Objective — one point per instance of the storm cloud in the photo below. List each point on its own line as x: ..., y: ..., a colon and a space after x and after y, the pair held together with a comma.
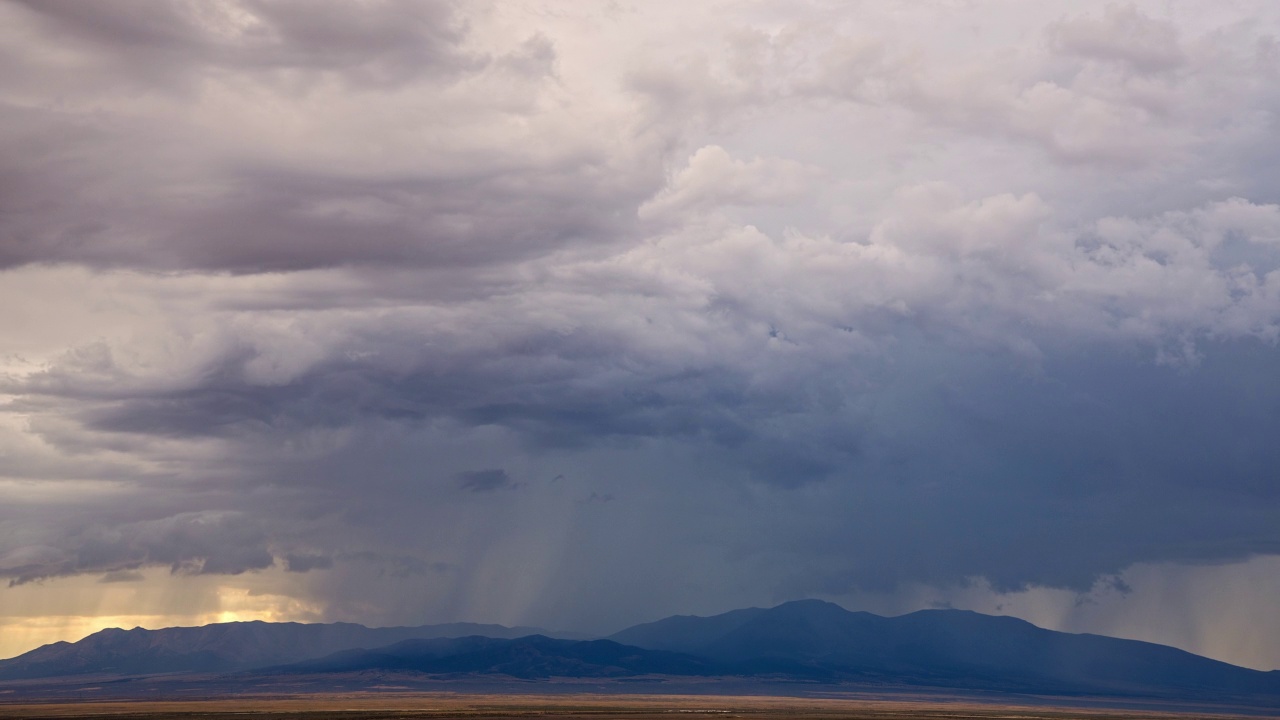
x: 873, y: 303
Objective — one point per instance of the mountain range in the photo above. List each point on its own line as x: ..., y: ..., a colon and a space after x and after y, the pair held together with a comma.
x: 945, y: 648
x: 806, y: 643
x: 221, y: 647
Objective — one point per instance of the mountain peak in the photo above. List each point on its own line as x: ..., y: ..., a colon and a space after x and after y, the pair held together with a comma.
x: 809, y: 603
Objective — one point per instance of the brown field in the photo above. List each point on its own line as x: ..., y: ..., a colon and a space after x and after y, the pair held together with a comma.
x: 369, y: 706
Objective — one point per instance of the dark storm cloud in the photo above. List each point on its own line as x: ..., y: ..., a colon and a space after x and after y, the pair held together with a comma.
x: 125, y: 189
x: 558, y: 390
x: 1057, y: 478
x: 196, y: 543
x: 122, y: 576
x: 273, y: 221
x: 950, y: 464
x: 290, y: 223
x: 318, y: 282
x: 301, y: 563
x: 374, y: 44
x: 485, y: 481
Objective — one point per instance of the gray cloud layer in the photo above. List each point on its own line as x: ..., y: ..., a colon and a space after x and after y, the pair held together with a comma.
x: 824, y: 300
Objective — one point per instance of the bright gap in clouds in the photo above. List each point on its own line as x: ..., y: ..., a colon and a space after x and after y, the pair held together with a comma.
x: 579, y: 315
x: 72, y: 608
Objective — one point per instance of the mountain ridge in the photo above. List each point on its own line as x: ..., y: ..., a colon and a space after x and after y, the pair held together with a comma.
x: 944, y: 646
x: 220, y: 647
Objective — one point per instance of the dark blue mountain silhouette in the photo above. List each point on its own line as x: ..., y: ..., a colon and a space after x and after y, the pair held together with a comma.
x: 948, y: 648
x: 533, y: 657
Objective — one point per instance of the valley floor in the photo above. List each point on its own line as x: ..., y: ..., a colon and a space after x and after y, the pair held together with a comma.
x: 442, y: 706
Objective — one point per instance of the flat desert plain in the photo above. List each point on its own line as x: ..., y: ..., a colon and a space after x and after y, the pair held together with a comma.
x: 368, y: 706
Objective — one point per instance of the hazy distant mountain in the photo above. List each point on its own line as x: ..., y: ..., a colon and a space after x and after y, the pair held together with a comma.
x: 949, y: 648
x: 532, y: 657
x: 221, y: 647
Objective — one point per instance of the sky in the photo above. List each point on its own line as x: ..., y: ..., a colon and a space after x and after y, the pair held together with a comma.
x: 581, y: 314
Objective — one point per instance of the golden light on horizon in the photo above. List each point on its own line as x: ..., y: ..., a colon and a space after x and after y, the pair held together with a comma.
x: 53, y: 610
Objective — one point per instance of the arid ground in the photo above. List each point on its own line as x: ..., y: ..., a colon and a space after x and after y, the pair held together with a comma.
x: 369, y: 706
